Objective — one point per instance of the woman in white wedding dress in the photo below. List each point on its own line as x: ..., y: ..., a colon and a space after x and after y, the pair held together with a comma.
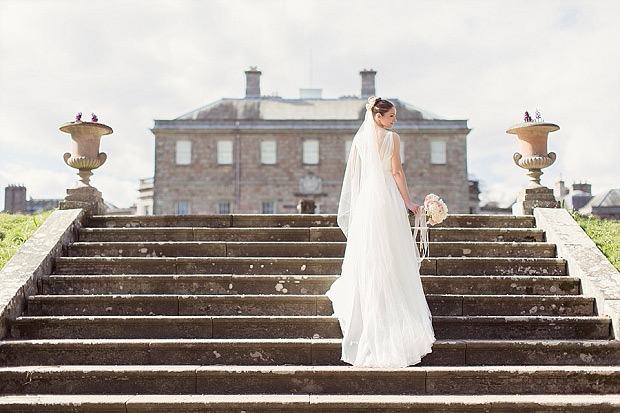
x: 378, y: 298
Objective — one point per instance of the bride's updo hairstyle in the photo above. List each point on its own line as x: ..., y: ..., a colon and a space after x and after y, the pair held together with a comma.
x: 378, y: 105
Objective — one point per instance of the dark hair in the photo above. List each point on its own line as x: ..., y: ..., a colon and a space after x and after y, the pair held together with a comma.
x: 380, y: 105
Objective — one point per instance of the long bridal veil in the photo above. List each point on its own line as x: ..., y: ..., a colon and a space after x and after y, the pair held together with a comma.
x: 369, y: 179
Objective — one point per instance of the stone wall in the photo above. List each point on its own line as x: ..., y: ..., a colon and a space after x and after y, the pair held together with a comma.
x: 204, y: 183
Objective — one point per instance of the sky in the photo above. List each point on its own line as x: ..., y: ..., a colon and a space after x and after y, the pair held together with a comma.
x: 131, y: 62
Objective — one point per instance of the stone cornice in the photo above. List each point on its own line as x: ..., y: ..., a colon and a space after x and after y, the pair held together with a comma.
x: 268, y: 126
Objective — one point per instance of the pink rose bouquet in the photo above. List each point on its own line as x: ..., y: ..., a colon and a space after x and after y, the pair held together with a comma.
x: 435, y: 209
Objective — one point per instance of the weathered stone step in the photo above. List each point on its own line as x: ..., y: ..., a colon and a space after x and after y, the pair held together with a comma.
x: 295, y: 284
x: 314, y: 403
x: 293, y: 265
x: 241, y: 380
x: 291, y: 220
x: 194, y: 234
x: 297, y: 352
x: 305, y: 304
x: 292, y: 234
x: 295, y: 249
x: 446, y: 327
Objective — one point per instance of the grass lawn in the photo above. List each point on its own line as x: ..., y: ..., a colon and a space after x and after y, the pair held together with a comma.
x: 15, y: 230
x: 604, y: 233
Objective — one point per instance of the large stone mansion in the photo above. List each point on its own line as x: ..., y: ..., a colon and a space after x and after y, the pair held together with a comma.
x: 263, y: 154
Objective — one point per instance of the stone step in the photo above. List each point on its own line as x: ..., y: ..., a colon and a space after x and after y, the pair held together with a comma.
x: 292, y: 234
x: 295, y: 249
x: 304, y: 304
x: 446, y: 327
x: 319, y: 403
x: 219, y: 221
x: 294, y: 284
x: 239, y: 380
x: 297, y: 352
x: 293, y: 265
x: 290, y: 220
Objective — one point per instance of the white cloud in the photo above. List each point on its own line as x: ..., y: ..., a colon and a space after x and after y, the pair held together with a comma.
x: 132, y: 62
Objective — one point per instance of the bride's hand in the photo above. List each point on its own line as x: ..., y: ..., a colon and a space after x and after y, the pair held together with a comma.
x: 415, y: 208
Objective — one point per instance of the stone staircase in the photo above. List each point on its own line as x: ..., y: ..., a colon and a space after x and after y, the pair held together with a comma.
x: 227, y: 313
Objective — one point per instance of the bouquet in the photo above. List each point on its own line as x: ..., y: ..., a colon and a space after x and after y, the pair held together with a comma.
x: 434, y: 208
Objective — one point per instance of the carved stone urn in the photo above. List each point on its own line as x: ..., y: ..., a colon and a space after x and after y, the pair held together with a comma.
x: 533, y: 154
x: 85, y: 140
x: 533, y: 157
x: 85, y: 156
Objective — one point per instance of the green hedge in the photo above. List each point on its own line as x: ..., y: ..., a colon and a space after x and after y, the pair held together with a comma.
x: 15, y: 230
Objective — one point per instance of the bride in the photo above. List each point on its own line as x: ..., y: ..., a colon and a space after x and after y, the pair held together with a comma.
x: 378, y: 298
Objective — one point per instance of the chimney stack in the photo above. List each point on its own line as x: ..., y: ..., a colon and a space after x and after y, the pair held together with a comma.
x: 583, y: 187
x: 560, y: 189
x: 368, y: 83
x: 15, y: 199
x: 252, y: 83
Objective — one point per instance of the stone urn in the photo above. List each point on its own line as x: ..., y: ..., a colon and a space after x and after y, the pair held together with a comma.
x: 85, y: 156
x: 533, y: 156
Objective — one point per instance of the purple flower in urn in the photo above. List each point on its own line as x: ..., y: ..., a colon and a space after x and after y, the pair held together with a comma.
x: 527, y: 117
x: 538, y: 117
x: 78, y: 117
x: 94, y: 118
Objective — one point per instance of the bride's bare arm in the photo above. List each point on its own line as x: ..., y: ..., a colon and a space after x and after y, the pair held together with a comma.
x: 399, y: 175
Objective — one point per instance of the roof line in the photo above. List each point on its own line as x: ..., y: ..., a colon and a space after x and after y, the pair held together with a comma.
x: 194, y: 110
x: 425, y: 113
x: 604, y: 197
x: 422, y: 111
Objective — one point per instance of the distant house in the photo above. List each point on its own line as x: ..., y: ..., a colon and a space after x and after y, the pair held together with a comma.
x: 575, y: 197
x: 605, y: 205
x: 579, y: 198
x: 15, y: 202
x: 263, y: 154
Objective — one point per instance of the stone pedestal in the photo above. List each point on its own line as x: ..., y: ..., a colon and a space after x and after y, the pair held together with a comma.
x: 87, y: 198
x: 530, y: 198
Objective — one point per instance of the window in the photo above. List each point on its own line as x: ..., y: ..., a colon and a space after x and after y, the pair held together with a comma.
x: 183, y: 152
x: 268, y: 208
x: 223, y: 208
x: 311, y: 151
x: 268, y: 152
x: 181, y: 208
x: 438, y: 152
x: 225, y: 152
x: 347, y: 150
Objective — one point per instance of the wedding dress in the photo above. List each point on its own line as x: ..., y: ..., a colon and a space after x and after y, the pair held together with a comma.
x: 378, y: 298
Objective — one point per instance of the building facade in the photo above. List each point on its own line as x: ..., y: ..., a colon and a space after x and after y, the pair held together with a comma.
x: 264, y: 154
